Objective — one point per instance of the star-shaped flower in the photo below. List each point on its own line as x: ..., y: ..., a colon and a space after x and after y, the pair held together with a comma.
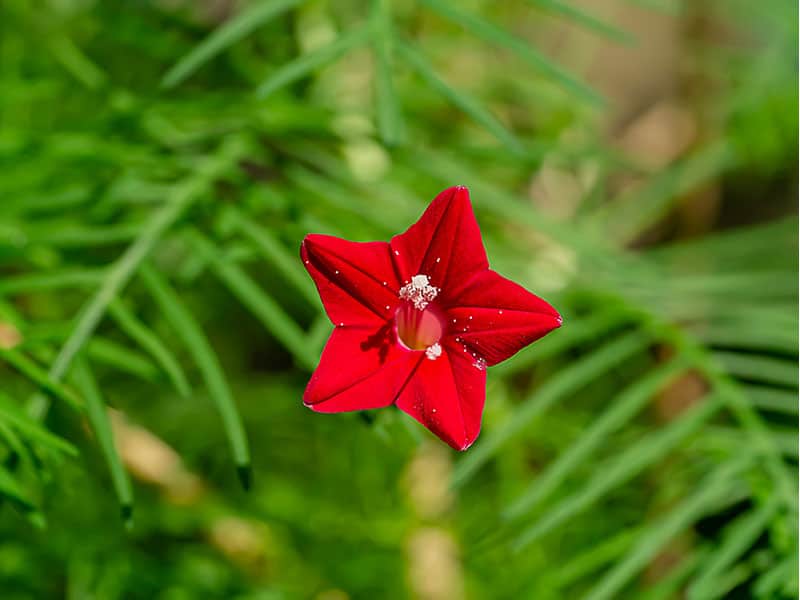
x: 418, y: 320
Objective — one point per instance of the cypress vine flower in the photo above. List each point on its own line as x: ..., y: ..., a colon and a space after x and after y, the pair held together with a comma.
x: 418, y: 320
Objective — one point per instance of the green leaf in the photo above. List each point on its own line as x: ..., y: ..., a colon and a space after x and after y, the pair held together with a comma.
x: 97, y: 413
x: 773, y: 399
x: 40, y: 377
x: 576, y: 333
x: 199, y: 347
x: 122, y: 358
x: 623, y: 408
x: 708, y: 493
x: 260, y: 304
x: 14, y: 416
x: 118, y: 275
x: 520, y: 47
x: 739, y: 537
x: 46, y: 282
x: 568, y: 381
x: 390, y: 117
x: 10, y: 488
x: 152, y: 344
x: 759, y: 368
x: 584, y: 19
x: 623, y: 467
x: 466, y: 103
x: 230, y: 32
x: 276, y: 254
x: 305, y: 64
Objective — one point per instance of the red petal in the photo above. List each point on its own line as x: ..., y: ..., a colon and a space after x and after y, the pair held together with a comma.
x: 360, y: 369
x: 356, y: 280
x: 446, y: 395
x: 445, y: 244
x: 495, y: 318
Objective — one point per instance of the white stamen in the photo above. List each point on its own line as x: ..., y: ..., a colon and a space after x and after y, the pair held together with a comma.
x: 419, y: 292
x: 433, y: 351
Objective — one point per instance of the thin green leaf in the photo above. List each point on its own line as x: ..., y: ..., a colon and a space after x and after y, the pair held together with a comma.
x: 199, y: 347
x: 390, y: 117
x: 40, y: 377
x: 226, y: 35
x: 584, y: 19
x: 97, y: 412
x: 10, y: 488
x: 568, y: 381
x: 714, y: 489
x: 623, y: 408
x: 260, y: 304
x: 152, y: 344
x: 14, y: 416
x: 118, y: 275
x: 626, y: 465
x: 46, y: 282
x: 759, y: 368
x: 578, y: 332
x: 520, y: 47
x: 772, y: 399
x: 740, y: 537
x: 122, y: 358
x: 630, y: 215
x: 276, y: 253
x: 466, y: 103
x: 305, y: 64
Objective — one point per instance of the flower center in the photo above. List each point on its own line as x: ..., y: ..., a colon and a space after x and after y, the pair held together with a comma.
x: 419, y: 324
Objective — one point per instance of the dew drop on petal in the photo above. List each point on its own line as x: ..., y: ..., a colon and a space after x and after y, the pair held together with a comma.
x: 397, y: 253
x: 479, y: 364
x: 384, y: 283
x: 438, y: 259
x: 336, y: 272
x: 499, y: 312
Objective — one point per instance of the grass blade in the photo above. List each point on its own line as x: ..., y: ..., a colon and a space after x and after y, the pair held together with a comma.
x: 122, y: 358
x: 151, y: 343
x: 273, y: 251
x: 118, y: 275
x: 466, y: 103
x: 305, y: 64
x: 12, y: 490
x: 714, y: 489
x: 40, y: 377
x: 199, y: 347
x: 101, y: 425
x: 46, y: 282
x: 13, y: 415
x: 568, y: 381
x: 226, y: 35
x: 253, y: 297
x: 390, y: 117
x: 520, y: 47
x: 741, y: 536
x: 627, y: 405
x: 624, y: 467
x: 759, y: 368
x: 584, y: 19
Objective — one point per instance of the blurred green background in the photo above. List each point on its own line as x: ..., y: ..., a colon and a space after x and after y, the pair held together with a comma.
x: 633, y: 162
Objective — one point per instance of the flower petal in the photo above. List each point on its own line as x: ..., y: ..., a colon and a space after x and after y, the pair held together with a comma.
x: 446, y: 395
x: 361, y: 368
x: 445, y: 244
x: 356, y: 280
x: 495, y: 318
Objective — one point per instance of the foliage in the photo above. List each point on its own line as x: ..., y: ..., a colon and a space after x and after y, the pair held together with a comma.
x: 160, y: 166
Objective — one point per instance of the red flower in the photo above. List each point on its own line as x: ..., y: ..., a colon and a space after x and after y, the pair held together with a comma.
x: 418, y: 320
